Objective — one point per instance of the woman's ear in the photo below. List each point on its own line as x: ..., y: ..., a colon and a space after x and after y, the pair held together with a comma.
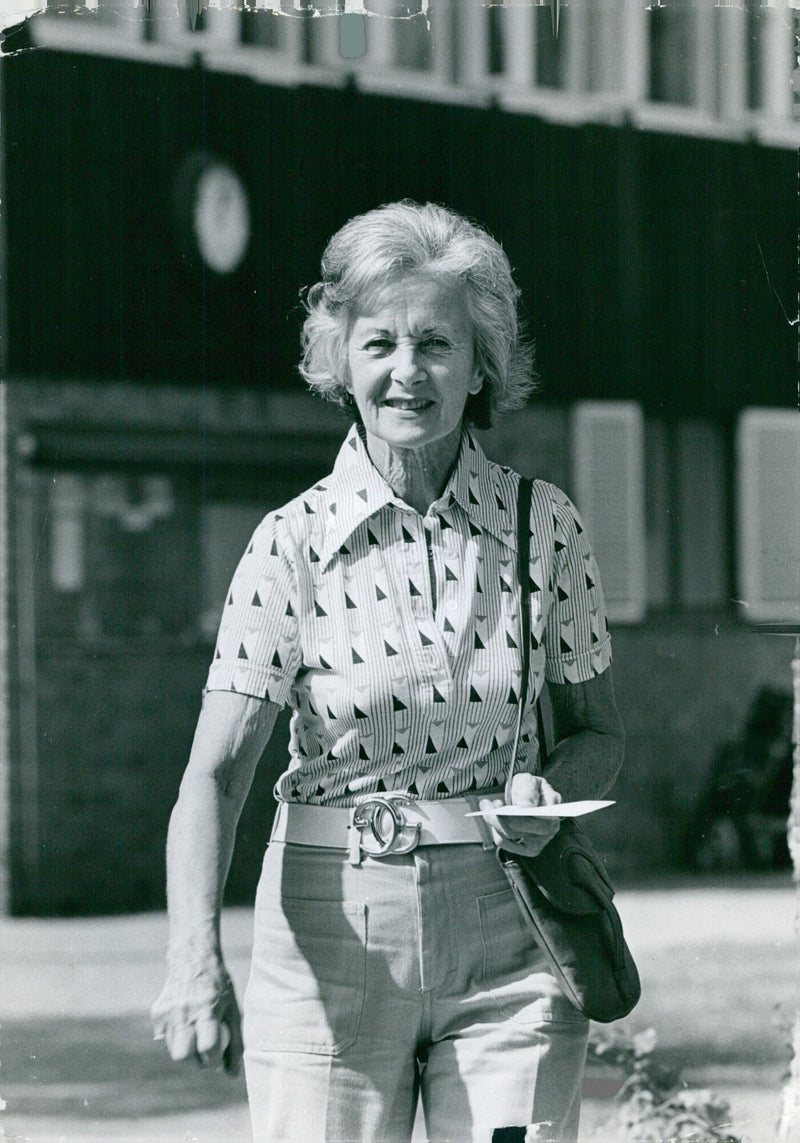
x: 476, y: 384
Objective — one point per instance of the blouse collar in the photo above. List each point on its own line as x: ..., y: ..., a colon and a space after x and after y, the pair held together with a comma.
x: 357, y: 491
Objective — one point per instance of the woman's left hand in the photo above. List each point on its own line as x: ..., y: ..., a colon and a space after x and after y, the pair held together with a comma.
x: 526, y: 836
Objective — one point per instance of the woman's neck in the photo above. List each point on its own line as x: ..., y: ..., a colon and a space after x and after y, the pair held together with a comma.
x: 416, y: 475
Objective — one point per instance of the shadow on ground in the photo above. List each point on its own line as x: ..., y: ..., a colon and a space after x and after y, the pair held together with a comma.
x: 90, y: 1069
x: 103, y: 1067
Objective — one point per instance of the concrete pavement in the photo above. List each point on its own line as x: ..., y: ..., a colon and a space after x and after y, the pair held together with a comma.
x: 78, y: 1062
x: 107, y: 965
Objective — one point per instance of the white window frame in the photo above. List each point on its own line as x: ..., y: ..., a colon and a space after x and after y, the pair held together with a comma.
x: 755, y: 605
x: 627, y: 418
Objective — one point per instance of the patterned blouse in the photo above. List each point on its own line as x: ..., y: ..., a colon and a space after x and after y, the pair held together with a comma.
x: 395, y: 637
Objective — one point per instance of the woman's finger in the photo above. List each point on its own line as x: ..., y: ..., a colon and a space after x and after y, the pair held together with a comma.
x: 525, y: 790
x: 505, y: 828
x: 209, y: 1036
x: 531, y: 827
x: 547, y: 795
x: 533, y: 790
x: 528, y: 844
x: 181, y: 1042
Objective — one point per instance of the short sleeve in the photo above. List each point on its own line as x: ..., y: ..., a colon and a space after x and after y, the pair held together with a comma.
x: 258, y: 648
x: 577, y: 641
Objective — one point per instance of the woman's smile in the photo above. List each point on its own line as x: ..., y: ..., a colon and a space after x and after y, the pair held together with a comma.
x: 411, y: 363
x: 408, y: 404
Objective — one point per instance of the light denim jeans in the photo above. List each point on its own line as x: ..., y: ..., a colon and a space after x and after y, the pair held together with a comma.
x: 402, y: 977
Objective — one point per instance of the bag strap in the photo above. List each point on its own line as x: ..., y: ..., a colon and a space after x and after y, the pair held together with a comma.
x: 524, y: 579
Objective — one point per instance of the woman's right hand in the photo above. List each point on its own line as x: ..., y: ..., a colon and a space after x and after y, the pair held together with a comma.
x: 197, y: 1016
x: 197, y: 1011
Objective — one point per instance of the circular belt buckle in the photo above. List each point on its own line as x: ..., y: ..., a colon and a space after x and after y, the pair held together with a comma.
x: 386, y: 823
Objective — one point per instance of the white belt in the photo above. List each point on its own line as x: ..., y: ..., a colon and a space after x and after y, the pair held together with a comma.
x: 381, y: 825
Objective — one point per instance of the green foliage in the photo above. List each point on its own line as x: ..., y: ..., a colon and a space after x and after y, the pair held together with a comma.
x: 654, y: 1105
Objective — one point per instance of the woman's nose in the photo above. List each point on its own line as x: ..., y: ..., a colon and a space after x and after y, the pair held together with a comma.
x: 406, y: 366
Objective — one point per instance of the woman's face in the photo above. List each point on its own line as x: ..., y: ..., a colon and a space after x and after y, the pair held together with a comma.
x: 411, y: 361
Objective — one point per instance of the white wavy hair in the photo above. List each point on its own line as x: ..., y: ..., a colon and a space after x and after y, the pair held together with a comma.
x: 374, y: 249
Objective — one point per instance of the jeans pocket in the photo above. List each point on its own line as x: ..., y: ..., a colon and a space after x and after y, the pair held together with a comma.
x: 515, y: 971
x: 308, y: 976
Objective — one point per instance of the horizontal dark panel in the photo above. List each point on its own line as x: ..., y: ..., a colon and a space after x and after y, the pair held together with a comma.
x: 286, y: 454
x: 653, y: 267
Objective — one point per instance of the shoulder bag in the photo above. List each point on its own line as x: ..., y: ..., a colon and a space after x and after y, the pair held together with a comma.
x: 564, y: 892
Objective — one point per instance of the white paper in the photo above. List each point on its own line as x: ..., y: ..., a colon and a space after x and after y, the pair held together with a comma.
x: 562, y: 810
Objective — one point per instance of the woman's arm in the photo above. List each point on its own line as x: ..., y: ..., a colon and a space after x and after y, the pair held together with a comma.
x: 589, y: 737
x: 197, y: 999
x: 584, y: 763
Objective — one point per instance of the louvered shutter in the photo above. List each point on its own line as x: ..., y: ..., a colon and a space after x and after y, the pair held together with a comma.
x: 768, y: 515
x: 607, y: 455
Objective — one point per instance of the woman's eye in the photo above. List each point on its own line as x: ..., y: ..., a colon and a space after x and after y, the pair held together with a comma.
x: 378, y: 345
x: 435, y: 343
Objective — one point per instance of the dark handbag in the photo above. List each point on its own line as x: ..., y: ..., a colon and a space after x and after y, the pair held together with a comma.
x: 564, y: 892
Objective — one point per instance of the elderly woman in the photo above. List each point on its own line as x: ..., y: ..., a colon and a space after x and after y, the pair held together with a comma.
x: 389, y: 960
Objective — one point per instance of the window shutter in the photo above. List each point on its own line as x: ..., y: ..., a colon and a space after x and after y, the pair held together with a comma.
x: 608, y: 482
x: 768, y: 514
